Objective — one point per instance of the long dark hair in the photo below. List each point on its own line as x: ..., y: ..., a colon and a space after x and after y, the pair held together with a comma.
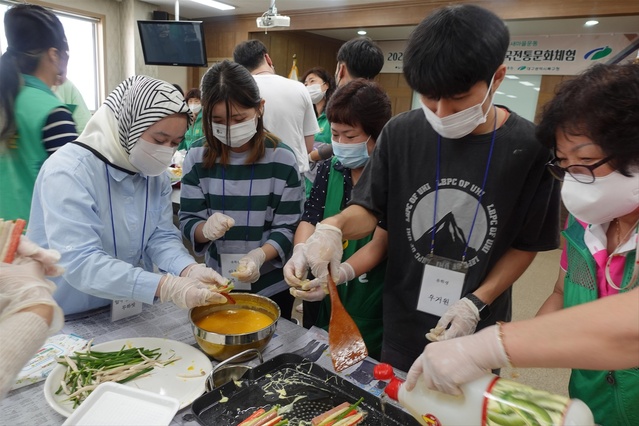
x: 232, y: 84
x: 30, y: 30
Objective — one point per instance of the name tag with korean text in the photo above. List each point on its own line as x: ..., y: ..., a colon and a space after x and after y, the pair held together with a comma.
x: 442, y: 284
x: 124, y: 308
x: 228, y: 264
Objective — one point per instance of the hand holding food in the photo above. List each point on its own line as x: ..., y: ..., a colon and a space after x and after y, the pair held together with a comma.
x: 462, y: 316
x: 23, y: 286
x: 323, y: 250
x: 205, y: 274
x: 448, y: 364
x: 188, y: 292
x: 296, y: 269
x: 248, y: 269
x: 216, y: 226
x: 315, y: 290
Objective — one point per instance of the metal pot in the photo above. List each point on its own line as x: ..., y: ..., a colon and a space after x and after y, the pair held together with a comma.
x: 224, y: 372
x: 223, y: 346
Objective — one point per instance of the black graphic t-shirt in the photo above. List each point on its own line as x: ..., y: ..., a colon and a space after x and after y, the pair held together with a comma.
x: 519, y: 209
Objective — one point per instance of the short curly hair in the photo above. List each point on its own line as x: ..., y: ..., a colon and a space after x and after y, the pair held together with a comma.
x: 602, y: 104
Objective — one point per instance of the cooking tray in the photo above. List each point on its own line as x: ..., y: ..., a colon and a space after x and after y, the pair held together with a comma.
x: 300, y: 386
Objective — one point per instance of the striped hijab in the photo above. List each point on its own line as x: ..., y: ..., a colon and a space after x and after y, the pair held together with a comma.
x: 134, y: 106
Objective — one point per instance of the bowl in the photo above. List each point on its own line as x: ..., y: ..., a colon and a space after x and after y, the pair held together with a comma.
x: 221, y: 346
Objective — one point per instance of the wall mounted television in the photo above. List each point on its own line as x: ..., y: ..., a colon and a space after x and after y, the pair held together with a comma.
x: 179, y: 43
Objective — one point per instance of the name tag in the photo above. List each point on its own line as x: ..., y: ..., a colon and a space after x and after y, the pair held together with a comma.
x: 442, y: 284
x: 125, y: 308
x: 229, y: 263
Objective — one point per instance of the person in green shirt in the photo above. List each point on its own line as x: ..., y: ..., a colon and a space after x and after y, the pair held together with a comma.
x: 34, y: 123
x: 194, y: 133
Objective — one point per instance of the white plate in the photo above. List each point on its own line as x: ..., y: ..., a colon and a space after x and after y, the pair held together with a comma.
x: 183, y: 379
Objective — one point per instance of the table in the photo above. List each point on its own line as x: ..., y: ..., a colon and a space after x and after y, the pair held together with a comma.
x: 27, y: 406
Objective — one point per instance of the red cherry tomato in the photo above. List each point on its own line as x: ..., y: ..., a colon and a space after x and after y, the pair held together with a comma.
x: 383, y: 371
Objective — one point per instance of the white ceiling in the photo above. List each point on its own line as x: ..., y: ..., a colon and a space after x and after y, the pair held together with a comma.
x: 191, y: 10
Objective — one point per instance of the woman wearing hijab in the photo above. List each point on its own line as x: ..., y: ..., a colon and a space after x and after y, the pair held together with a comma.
x: 103, y: 202
x: 242, y: 194
x: 33, y: 121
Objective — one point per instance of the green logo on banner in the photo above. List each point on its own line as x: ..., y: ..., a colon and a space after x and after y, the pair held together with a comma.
x: 598, y: 53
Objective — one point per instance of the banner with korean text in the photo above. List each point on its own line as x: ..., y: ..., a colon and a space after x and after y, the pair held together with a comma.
x: 562, y: 54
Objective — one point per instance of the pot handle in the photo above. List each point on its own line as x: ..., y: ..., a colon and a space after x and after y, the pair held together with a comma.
x: 209, y: 378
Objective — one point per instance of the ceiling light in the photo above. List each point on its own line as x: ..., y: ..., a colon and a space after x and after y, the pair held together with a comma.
x: 591, y: 23
x: 511, y: 96
x: 536, y: 88
x: 499, y: 93
x: 526, y: 83
x: 512, y: 77
x: 361, y: 32
x: 214, y: 4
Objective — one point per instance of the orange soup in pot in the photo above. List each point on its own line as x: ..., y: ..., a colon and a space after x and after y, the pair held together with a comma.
x: 234, y: 321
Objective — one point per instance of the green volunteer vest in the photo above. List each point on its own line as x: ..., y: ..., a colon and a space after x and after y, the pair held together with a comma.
x: 193, y: 134
x: 324, y: 135
x: 23, y: 155
x: 362, y: 297
x: 613, y: 396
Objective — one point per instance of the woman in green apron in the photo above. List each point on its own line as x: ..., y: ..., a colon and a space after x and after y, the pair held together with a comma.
x: 357, y: 113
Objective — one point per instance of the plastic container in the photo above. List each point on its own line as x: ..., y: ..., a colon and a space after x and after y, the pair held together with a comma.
x: 490, y: 400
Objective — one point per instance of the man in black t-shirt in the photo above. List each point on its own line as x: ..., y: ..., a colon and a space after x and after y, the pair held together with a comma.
x: 461, y: 184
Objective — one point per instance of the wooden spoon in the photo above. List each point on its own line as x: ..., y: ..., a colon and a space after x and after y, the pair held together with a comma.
x: 345, y: 342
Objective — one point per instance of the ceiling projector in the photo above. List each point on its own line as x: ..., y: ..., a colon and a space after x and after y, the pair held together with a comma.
x: 270, y: 21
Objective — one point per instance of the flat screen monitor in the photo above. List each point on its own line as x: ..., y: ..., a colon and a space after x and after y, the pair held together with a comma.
x: 173, y: 43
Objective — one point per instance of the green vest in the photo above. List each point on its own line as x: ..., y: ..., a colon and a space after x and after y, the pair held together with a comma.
x: 193, y: 134
x: 324, y: 135
x: 362, y: 297
x: 23, y: 155
x: 613, y: 396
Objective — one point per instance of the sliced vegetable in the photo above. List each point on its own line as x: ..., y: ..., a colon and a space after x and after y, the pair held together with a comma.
x: 255, y: 414
x: 262, y: 419
x: 335, y: 415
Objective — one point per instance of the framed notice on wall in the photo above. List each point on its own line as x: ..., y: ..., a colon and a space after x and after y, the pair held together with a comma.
x: 393, y: 55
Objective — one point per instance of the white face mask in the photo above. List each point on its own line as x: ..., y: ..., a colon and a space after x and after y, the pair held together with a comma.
x: 315, y: 90
x: 607, y: 198
x: 149, y: 158
x: 241, y: 133
x: 461, y: 123
x: 195, y: 108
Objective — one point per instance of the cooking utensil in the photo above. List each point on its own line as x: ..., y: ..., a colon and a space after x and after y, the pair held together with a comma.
x: 345, y: 342
x: 303, y: 387
x: 224, y: 372
x: 223, y: 346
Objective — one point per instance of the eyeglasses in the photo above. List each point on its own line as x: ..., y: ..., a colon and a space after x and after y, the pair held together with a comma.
x: 580, y: 172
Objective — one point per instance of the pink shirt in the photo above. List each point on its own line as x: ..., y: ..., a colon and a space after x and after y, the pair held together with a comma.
x: 596, y: 241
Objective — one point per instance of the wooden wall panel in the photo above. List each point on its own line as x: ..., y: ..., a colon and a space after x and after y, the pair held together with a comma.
x: 398, y: 91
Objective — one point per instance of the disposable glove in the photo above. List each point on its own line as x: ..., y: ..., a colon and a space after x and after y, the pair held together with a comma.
x: 323, y: 251
x: 23, y: 286
x: 248, y: 268
x: 217, y: 225
x: 447, y: 365
x: 315, y: 290
x: 462, y: 316
x: 204, y: 274
x: 296, y: 269
x: 187, y: 292
x: 48, y: 258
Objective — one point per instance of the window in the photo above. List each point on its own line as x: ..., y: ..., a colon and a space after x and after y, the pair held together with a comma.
x: 82, y: 36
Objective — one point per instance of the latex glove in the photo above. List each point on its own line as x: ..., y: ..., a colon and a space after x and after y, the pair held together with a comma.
x: 217, y: 225
x: 462, y: 316
x: 204, y: 274
x: 447, y: 365
x: 187, y: 292
x: 296, y: 269
x: 248, y: 269
x: 315, y: 290
x: 323, y: 251
x: 48, y: 258
x: 23, y: 286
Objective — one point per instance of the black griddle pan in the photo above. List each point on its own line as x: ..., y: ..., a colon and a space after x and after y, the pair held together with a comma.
x: 303, y: 387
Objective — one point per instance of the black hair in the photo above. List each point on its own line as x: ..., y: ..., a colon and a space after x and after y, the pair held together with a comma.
x: 250, y: 54
x: 454, y: 48
x: 362, y: 102
x: 193, y: 93
x: 602, y: 104
x: 232, y: 84
x: 362, y: 57
x: 179, y: 88
x: 30, y: 31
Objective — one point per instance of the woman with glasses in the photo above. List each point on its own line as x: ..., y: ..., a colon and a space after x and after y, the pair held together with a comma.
x: 591, y: 321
